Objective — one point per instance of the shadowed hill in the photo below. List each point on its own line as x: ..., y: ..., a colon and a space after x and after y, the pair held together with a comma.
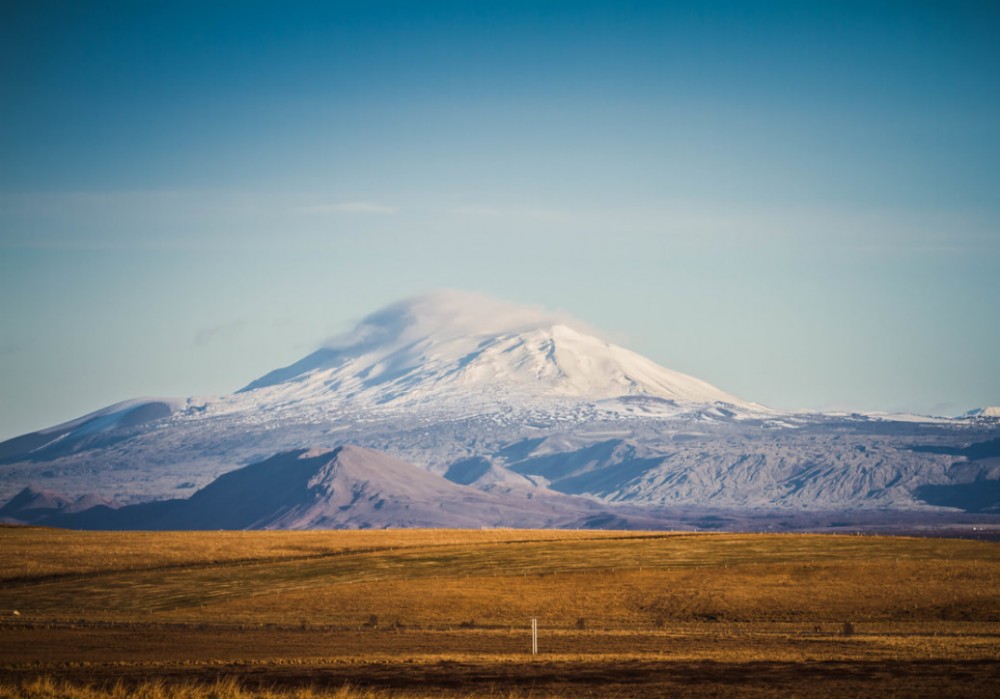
x: 346, y: 487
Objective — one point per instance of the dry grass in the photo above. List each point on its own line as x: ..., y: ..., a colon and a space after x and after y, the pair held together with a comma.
x: 398, y: 610
x: 47, y: 688
x: 493, y: 578
x: 37, y: 552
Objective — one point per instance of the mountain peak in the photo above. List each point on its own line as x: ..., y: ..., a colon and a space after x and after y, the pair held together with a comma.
x: 989, y: 411
x: 444, y: 315
x: 458, y: 348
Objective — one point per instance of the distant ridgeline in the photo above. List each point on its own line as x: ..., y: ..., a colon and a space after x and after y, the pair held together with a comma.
x: 455, y: 410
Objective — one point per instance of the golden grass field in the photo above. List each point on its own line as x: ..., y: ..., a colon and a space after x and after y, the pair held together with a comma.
x: 410, y: 613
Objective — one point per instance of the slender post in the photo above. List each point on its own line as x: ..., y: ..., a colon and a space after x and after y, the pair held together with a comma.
x: 534, y: 636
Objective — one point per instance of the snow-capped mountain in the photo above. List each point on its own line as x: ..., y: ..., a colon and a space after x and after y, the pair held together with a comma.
x: 992, y: 411
x: 451, y: 350
x: 515, y: 402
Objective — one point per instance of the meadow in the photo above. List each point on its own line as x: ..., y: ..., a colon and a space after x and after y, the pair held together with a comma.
x: 411, y: 613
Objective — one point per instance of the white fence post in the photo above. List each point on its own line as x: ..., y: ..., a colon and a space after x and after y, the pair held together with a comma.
x: 534, y: 636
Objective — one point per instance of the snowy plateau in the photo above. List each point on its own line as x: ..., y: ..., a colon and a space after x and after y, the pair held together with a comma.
x: 453, y: 409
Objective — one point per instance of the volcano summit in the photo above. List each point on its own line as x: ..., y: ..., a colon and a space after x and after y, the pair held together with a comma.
x: 460, y: 350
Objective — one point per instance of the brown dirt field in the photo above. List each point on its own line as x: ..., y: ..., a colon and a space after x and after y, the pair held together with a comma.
x: 694, y: 661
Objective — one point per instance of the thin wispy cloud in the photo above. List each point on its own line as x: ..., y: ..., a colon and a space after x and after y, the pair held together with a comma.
x: 474, y: 211
x: 348, y: 207
x: 518, y: 213
x: 221, y: 331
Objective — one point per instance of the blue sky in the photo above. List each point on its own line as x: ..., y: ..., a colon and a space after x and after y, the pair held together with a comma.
x: 794, y: 201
